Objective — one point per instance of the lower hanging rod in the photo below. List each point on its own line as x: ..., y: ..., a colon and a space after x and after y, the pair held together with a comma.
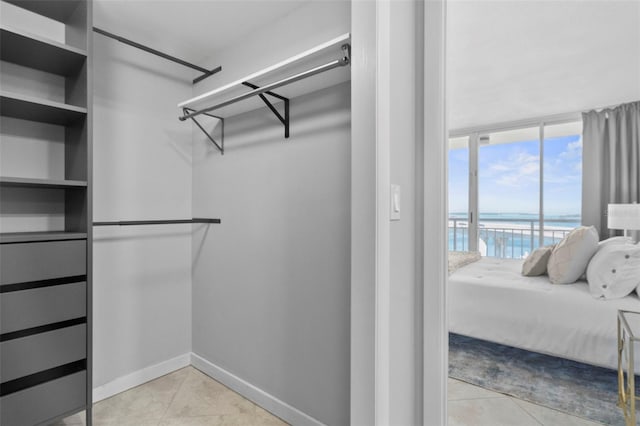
x: 292, y: 79
x: 155, y: 222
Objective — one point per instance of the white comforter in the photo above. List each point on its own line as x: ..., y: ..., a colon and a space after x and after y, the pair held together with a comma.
x: 491, y: 300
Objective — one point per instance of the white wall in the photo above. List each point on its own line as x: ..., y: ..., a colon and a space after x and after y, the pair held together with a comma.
x: 363, y: 212
x: 271, y: 283
x: 142, y: 170
x: 433, y: 209
x: 312, y: 23
x: 404, y: 380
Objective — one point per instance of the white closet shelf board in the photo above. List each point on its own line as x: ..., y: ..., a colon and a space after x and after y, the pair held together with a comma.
x: 311, y: 58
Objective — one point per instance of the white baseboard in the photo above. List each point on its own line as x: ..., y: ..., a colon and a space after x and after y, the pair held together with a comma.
x: 139, y: 377
x: 269, y: 402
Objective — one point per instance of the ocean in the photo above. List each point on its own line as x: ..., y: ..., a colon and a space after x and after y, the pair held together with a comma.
x: 510, y: 235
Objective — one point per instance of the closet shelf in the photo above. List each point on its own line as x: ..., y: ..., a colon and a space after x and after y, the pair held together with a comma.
x: 41, y: 183
x: 300, y: 63
x: 57, y: 10
x: 37, y: 109
x: 28, y: 237
x: 289, y: 77
x: 32, y: 51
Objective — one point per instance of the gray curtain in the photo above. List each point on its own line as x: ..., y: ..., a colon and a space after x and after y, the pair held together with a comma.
x: 610, y: 162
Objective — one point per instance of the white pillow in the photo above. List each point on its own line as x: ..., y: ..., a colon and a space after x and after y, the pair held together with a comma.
x: 536, y: 263
x: 614, y: 271
x: 571, y: 256
x: 614, y: 241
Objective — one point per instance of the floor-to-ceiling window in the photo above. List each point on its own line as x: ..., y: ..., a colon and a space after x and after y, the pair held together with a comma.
x: 508, y: 192
x: 459, y: 193
x: 562, y: 180
x: 511, y: 191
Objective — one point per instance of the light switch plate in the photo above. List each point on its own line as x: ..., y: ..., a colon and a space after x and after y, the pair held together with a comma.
x: 395, y: 202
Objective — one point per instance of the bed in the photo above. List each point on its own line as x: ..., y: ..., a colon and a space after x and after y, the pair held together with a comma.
x: 491, y: 300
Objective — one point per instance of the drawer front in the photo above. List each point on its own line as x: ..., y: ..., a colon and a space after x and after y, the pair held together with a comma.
x: 39, y: 352
x: 26, y: 262
x: 43, y: 402
x: 41, y: 306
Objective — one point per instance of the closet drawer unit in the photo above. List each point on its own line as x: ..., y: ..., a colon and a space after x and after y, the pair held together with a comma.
x: 28, y: 355
x: 43, y: 402
x: 25, y: 262
x: 24, y: 309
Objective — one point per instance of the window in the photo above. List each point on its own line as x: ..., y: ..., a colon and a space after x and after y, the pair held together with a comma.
x: 508, y: 192
x: 459, y: 194
x: 562, y: 180
x: 524, y: 193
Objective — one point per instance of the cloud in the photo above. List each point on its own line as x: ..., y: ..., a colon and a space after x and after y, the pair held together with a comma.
x: 566, y: 167
x: 573, y: 150
x: 519, y: 168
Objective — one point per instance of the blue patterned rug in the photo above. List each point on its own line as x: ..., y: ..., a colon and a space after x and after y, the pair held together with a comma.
x: 572, y: 387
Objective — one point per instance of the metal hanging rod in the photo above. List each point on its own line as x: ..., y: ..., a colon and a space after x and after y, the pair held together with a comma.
x: 345, y: 60
x: 205, y: 72
x: 155, y: 222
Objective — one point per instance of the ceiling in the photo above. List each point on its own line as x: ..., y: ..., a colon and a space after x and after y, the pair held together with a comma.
x: 189, y: 29
x: 506, y: 60
x: 515, y: 60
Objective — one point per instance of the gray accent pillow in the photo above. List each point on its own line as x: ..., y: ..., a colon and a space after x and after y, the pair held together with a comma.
x: 536, y: 263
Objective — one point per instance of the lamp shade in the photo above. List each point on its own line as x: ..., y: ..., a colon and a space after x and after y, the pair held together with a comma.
x: 623, y: 216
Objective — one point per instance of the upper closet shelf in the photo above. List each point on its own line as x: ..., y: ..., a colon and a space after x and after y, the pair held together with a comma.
x: 276, y: 84
x: 57, y: 10
x: 37, y: 109
x: 40, y: 53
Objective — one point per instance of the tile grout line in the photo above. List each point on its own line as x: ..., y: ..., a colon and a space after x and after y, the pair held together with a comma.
x: 560, y: 412
x: 479, y: 397
x: 173, y: 397
x: 527, y: 411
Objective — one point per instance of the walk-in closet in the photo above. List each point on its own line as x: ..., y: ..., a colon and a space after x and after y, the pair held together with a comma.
x: 188, y: 211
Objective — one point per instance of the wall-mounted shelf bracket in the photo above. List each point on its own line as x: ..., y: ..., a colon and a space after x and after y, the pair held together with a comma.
x: 284, y: 120
x: 220, y: 146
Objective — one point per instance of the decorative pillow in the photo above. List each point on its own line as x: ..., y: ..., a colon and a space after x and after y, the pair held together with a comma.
x: 571, y: 256
x: 614, y: 271
x: 613, y: 241
x: 536, y: 263
x: 608, y: 242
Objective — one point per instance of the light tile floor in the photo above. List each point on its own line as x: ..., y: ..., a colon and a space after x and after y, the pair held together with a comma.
x: 185, y: 397
x: 474, y: 406
x: 188, y: 397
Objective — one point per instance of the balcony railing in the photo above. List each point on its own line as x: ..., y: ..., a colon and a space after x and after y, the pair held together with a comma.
x: 507, y: 237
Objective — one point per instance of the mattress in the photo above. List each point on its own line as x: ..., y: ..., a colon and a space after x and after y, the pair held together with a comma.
x: 491, y: 300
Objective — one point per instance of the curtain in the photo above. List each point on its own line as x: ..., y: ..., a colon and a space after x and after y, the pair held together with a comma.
x: 610, y: 162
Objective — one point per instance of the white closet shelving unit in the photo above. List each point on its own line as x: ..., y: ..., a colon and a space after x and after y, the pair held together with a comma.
x: 274, y: 85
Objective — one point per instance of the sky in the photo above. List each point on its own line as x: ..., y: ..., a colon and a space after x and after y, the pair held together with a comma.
x: 509, y: 177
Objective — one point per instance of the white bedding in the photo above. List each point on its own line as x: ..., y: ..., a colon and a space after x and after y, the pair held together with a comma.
x: 491, y: 300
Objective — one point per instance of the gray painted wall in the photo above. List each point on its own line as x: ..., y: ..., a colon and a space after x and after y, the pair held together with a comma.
x: 271, y: 283
x: 142, y: 170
